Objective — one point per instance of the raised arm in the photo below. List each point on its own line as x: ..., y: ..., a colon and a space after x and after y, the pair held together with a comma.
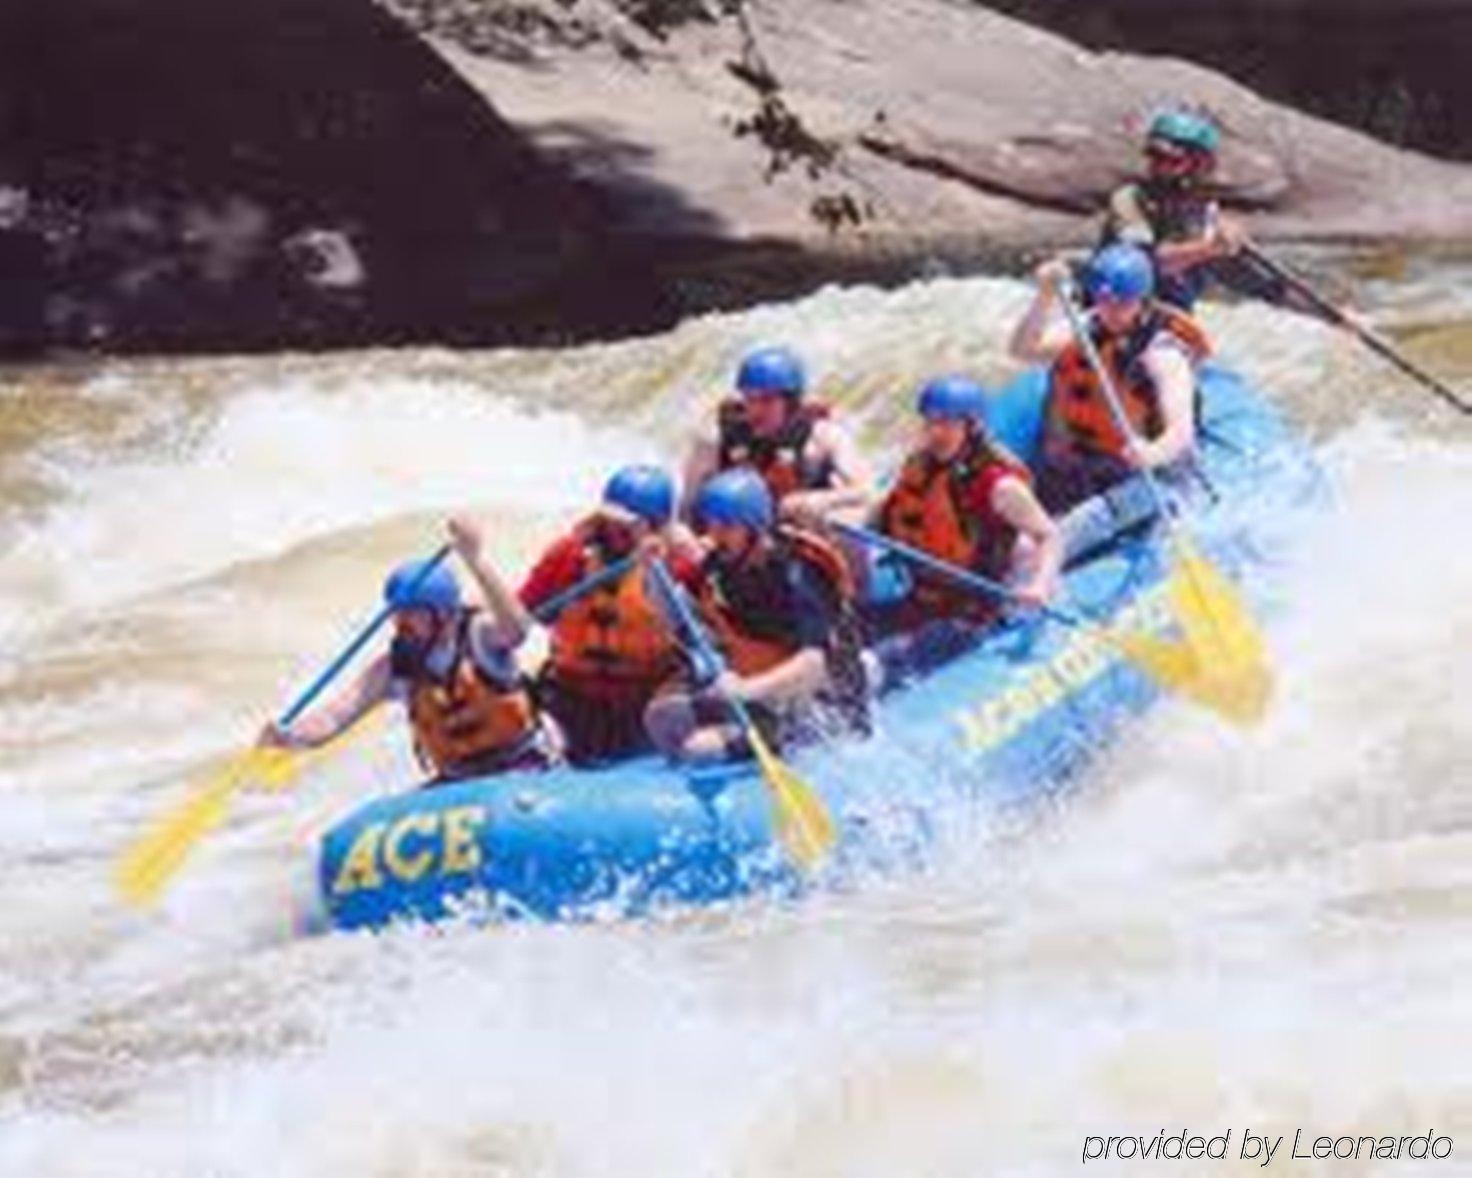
x: 1041, y: 333
x: 507, y: 622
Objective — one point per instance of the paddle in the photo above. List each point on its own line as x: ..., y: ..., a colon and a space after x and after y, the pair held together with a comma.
x: 804, y: 826
x: 1221, y: 659
x: 1145, y: 651
x: 148, y: 866
x: 549, y: 609
x: 1373, y: 340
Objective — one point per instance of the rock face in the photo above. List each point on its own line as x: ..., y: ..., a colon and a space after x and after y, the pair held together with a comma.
x: 943, y: 121
x: 1394, y: 68
x: 277, y: 171
x: 318, y: 172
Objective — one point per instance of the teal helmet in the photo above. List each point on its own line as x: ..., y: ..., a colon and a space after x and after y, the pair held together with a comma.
x: 1183, y: 128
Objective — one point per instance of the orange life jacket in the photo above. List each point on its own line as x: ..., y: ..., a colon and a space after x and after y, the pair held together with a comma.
x: 1078, y: 412
x: 465, y: 717
x: 936, y: 507
x: 749, y: 650
x: 781, y: 459
x: 613, y: 642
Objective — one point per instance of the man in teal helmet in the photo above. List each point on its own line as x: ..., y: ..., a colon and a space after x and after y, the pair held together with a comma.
x: 453, y: 667
x: 612, y: 650
x: 778, y: 602
x: 808, y: 461
x: 1171, y: 212
x: 1174, y: 215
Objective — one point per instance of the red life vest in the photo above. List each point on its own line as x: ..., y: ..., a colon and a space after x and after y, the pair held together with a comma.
x: 612, y: 643
x: 1078, y: 416
x: 781, y: 459
x: 945, y: 509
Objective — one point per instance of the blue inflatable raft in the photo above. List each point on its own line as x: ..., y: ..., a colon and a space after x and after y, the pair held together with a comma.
x: 1007, y: 722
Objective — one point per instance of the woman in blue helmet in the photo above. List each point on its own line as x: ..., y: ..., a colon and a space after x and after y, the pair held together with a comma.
x: 808, y: 461
x: 454, y: 668
x: 612, y: 650
x: 963, y: 498
x: 1150, y: 351
x: 779, y: 603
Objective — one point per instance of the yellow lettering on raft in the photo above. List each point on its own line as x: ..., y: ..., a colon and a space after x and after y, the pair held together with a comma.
x: 411, y: 867
x: 462, y: 846
x: 360, y: 867
x: 453, y: 835
x: 1082, y: 658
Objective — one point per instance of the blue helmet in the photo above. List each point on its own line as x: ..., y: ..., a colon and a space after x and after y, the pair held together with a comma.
x: 1186, y: 129
x: 951, y: 398
x: 772, y: 370
x: 1120, y: 271
x: 412, y: 586
x: 737, y: 496
x: 647, y: 491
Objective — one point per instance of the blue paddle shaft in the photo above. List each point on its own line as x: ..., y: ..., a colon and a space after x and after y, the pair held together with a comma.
x: 697, y: 635
x: 548, y: 610
x: 345, y: 656
x: 965, y: 577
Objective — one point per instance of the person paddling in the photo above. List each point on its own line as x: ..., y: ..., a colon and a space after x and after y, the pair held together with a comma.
x: 1173, y: 214
x: 808, y: 461
x: 779, y: 603
x: 611, y: 650
x: 963, y: 498
x: 1150, y: 351
x: 454, y: 668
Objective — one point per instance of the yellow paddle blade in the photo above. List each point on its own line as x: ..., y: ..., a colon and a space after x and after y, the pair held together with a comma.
x: 1240, y: 696
x: 1235, y: 673
x: 804, y: 825
x: 147, y: 867
x: 1221, y: 661
x: 276, y: 769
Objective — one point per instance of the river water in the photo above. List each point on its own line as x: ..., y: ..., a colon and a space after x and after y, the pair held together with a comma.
x: 1219, y: 931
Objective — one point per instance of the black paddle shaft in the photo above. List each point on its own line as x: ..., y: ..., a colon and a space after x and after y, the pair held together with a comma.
x: 1371, y: 340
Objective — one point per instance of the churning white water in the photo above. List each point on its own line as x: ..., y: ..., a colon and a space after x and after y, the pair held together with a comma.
x: 1218, y: 931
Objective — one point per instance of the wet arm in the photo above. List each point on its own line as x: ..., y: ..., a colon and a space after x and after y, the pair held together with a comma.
x: 794, y: 678
x: 1173, y: 376
x: 1013, y: 500
x: 507, y: 621
x: 1127, y: 221
x: 559, y: 568
x: 344, y: 709
x: 1041, y: 334
x: 1173, y: 257
x: 852, y: 474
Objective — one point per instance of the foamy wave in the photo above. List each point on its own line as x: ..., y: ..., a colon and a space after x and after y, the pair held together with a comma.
x: 281, y: 466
